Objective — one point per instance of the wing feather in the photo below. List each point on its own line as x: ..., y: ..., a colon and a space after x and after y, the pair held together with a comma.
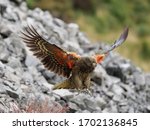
x: 51, y: 56
x: 118, y: 42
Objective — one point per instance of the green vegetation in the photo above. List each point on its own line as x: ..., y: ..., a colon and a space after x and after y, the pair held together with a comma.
x: 145, y: 50
x: 104, y: 20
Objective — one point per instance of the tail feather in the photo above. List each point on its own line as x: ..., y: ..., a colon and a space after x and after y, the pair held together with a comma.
x: 63, y: 85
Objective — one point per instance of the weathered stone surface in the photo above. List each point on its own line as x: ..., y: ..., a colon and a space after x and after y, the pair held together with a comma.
x: 26, y: 86
x: 139, y: 79
x: 147, y: 79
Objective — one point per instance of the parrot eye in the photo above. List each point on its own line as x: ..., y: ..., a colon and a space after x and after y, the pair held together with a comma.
x: 94, y: 64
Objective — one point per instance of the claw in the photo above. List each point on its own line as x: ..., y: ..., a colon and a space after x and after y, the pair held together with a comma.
x: 89, y: 92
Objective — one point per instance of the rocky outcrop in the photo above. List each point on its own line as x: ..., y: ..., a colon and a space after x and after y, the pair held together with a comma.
x: 26, y: 86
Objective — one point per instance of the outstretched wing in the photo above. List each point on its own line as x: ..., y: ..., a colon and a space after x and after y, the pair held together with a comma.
x: 52, y: 57
x: 118, y: 42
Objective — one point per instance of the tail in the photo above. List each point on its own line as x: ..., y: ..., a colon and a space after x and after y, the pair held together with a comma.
x: 63, y: 85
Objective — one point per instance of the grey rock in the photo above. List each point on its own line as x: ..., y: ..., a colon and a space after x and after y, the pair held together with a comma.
x: 4, y: 2
x: 148, y: 108
x: 57, y: 79
x: 7, y: 104
x: 119, y: 67
x: 89, y: 102
x: 73, y: 30
x: 123, y: 103
x: 73, y: 106
x: 116, y: 89
x: 2, y: 109
x: 99, y: 75
x: 48, y: 86
x: 139, y: 79
x: 2, y: 66
x: 14, y: 107
x: 12, y: 93
x: 118, y: 85
x: 4, y: 52
x: 109, y: 93
x: 124, y: 109
x: 11, y: 85
x: 27, y: 77
x: 110, y: 80
x: 13, y: 62
x: 126, y: 87
x: 1, y: 69
x: 111, y: 107
x: 63, y: 93
x: 73, y: 46
x: 24, y: 87
x: 15, y: 46
x: 147, y: 79
x: 2, y: 9
x: 115, y: 71
x: 44, y: 87
x: 37, y: 14
x: 23, y: 7
x: 4, y: 31
x: 17, y: 2
x: 116, y: 98
x: 79, y: 100
x: 10, y: 14
x: 2, y: 88
x: 31, y: 60
x: 131, y: 110
x: 83, y: 39
x: 106, y: 110
x: 84, y: 111
x: 100, y: 102
x: 48, y: 74
x: 33, y: 71
x: 59, y: 22
x: 11, y: 76
x: 114, y: 109
x: 61, y: 32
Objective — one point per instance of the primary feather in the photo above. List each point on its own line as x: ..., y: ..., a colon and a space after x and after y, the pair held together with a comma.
x: 52, y: 57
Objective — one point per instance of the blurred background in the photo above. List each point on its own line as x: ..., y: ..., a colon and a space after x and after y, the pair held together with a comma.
x: 104, y: 20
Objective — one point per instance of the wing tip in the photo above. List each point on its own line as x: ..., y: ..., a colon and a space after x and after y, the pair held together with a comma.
x: 125, y: 33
